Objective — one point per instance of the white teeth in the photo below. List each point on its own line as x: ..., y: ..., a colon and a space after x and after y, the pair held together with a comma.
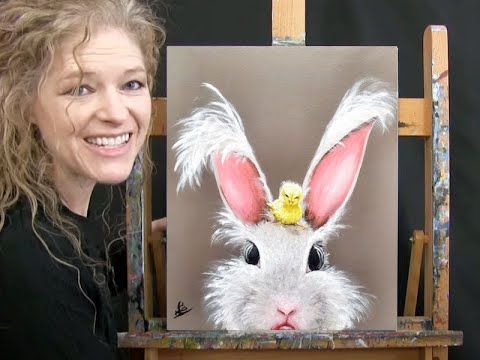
x: 110, y: 141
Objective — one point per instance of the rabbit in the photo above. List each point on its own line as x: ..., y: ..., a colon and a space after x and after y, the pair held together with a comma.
x: 281, y: 279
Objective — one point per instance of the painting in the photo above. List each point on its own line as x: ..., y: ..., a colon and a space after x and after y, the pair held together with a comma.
x: 282, y: 188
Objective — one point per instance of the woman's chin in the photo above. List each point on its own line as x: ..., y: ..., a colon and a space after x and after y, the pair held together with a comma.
x: 113, y: 178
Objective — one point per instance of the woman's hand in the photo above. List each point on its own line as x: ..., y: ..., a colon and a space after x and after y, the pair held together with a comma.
x: 159, y: 226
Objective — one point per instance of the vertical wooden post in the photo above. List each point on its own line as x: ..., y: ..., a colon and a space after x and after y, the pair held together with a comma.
x: 288, y: 22
x: 138, y: 223
x: 427, y: 354
x: 156, y: 244
x: 135, y: 248
x: 147, y: 235
x: 151, y: 354
x: 437, y: 179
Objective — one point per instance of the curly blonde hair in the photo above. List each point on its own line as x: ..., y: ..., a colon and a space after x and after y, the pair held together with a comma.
x: 30, y: 31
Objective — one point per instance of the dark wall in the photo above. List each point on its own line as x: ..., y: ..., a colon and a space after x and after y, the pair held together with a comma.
x: 376, y: 22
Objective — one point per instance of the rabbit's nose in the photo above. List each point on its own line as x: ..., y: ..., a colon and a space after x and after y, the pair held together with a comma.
x: 287, y: 309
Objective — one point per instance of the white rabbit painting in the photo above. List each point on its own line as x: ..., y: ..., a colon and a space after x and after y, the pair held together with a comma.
x: 279, y: 277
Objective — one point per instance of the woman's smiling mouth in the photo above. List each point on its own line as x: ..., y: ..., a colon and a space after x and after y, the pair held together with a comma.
x: 109, y: 142
x: 110, y: 146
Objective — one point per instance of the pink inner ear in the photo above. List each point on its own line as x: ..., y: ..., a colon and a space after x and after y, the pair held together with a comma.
x: 335, y: 176
x: 239, y: 182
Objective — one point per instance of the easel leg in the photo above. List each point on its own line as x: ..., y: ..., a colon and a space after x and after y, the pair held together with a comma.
x: 427, y: 353
x: 418, y: 242
x: 151, y: 354
x: 440, y: 353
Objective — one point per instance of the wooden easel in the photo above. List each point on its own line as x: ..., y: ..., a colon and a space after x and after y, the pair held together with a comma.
x: 418, y: 337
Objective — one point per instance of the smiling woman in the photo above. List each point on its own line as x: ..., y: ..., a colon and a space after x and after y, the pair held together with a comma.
x: 75, y: 112
x: 94, y: 120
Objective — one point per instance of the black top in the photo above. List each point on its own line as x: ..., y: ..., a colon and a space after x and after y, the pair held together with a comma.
x: 43, y: 313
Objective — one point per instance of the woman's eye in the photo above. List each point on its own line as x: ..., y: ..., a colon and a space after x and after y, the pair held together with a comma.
x: 133, y: 85
x: 316, y: 258
x: 78, y: 91
x: 251, y: 254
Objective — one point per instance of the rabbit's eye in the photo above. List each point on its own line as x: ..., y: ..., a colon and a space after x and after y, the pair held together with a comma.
x: 316, y: 258
x: 252, y: 256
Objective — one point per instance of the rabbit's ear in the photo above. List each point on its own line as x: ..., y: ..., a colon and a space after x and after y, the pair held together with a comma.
x: 213, y: 135
x: 334, y: 169
x: 335, y: 176
x: 241, y: 187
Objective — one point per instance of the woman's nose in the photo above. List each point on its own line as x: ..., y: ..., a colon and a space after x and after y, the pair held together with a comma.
x: 112, y: 107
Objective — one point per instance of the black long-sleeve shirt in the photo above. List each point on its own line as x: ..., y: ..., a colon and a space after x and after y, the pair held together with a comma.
x: 43, y: 313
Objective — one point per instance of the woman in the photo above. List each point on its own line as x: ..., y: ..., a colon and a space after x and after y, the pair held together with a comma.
x: 75, y: 81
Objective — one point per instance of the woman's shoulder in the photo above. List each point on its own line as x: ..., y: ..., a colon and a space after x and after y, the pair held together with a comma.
x: 41, y: 300
x: 19, y: 246
x: 19, y: 230
x: 17, y: 226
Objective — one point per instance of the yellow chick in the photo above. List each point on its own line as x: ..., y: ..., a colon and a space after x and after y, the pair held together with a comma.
x: 286, y: 209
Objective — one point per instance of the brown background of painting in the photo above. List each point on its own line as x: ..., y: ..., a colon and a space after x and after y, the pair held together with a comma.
x: 285, y: 96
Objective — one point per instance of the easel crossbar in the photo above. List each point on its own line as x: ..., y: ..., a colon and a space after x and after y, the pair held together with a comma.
x: 411, y: 117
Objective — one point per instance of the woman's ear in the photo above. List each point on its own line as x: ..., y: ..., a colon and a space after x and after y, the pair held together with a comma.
x: 31, y: 111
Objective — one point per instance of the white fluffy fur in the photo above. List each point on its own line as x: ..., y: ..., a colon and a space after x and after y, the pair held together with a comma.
x: 240, y: 296
x: 367, y: 101
x: 214, y: 128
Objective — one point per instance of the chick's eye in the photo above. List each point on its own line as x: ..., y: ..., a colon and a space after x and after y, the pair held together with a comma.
x: 316, y: 258
x: 251, y: 254
x: 133, y: 85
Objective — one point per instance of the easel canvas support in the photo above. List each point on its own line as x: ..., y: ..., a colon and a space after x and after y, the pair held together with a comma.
x: 418, y: 337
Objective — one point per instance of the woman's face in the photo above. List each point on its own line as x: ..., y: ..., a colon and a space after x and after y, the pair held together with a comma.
x: 95, y: 134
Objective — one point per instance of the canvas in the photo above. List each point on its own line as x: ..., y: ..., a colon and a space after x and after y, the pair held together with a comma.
x: 281, y: 188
